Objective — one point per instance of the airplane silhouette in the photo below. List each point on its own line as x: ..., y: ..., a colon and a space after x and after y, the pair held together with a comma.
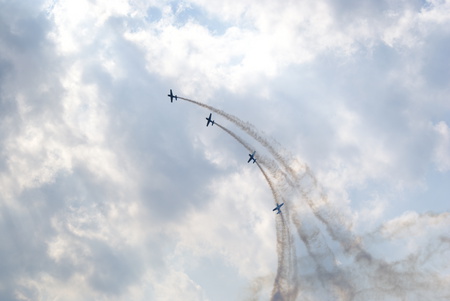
x: 209, y: 120
x: 278, y: 208
x: 172, y: 96
x: 252, y: 157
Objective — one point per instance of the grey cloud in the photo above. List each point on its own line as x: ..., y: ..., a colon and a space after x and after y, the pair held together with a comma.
x: 151, y: 134
x: 31, y: 62
x: 23, y: 235
x: 27, y: 62
x: 372, y: 13
x: 149, y: 141
x: 113, y: 270
x: 389, y: 113
x: 436, y: 67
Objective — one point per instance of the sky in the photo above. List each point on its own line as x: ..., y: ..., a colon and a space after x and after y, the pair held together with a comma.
x: 108, y: 191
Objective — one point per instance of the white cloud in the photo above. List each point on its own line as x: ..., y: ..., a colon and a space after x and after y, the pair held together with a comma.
x: 110, y: 192
x: 178, y: 285
x: 232, y: 219
x: 77, y: 23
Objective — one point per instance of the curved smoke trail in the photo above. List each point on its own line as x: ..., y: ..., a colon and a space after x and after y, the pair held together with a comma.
x: 292, y: 177
x: 251, y: 131
x: 286, y: 271
x: 302, y: 181
x: 421, y: 275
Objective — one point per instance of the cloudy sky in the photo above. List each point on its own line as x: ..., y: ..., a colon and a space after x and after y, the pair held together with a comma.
x: 110, y: 192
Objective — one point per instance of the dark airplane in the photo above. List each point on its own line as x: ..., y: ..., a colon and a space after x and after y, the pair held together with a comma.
x: 252, y: 157
x: 172, y: 96
x: 210, y: 120
x: 278, y: 208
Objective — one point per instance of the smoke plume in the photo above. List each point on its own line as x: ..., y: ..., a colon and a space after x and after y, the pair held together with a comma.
x: 336, y: 263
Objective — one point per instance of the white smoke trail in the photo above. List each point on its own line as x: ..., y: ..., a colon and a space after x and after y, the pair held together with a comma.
x: 424, y: 274
x: 319, y: 205
x: 290, y: 178
x: 286, y: 278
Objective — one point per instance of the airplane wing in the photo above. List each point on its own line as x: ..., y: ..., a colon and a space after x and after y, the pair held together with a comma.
x: 172, y: 96
x: 252, y: 157
x: 278, y: 208
x: 210, y: 121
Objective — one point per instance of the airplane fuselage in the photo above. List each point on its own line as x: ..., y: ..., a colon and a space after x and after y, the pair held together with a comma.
x: 278, y: 208
x: 172, y: 96
x: 252, y: 157
x: 210, y: 121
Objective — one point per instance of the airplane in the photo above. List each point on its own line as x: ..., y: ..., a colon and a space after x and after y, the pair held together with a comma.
x: 209, y: 120
x: 252, y: 157
x: 172, y: 96
x: 278, y: 208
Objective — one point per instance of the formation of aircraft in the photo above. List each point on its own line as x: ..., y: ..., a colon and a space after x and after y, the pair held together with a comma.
x: 278, y: 208
x: 252, y: 157
x: 172, y: 96
x: 209, y: 120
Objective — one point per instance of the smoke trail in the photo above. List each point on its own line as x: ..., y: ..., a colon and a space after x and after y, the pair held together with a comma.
x: 279, y: 284
x: 355, y: 274
x: 285, y: 287
x: 286, y: 284
x: 285, y: 251
x: 238, y: 139
x: 275, y: 194
x: 250, y: 130
x: 335, y: 225
x: 250, y: 148
x: 291, y: 277
x: 291, y: 176
x: 292, y: 179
